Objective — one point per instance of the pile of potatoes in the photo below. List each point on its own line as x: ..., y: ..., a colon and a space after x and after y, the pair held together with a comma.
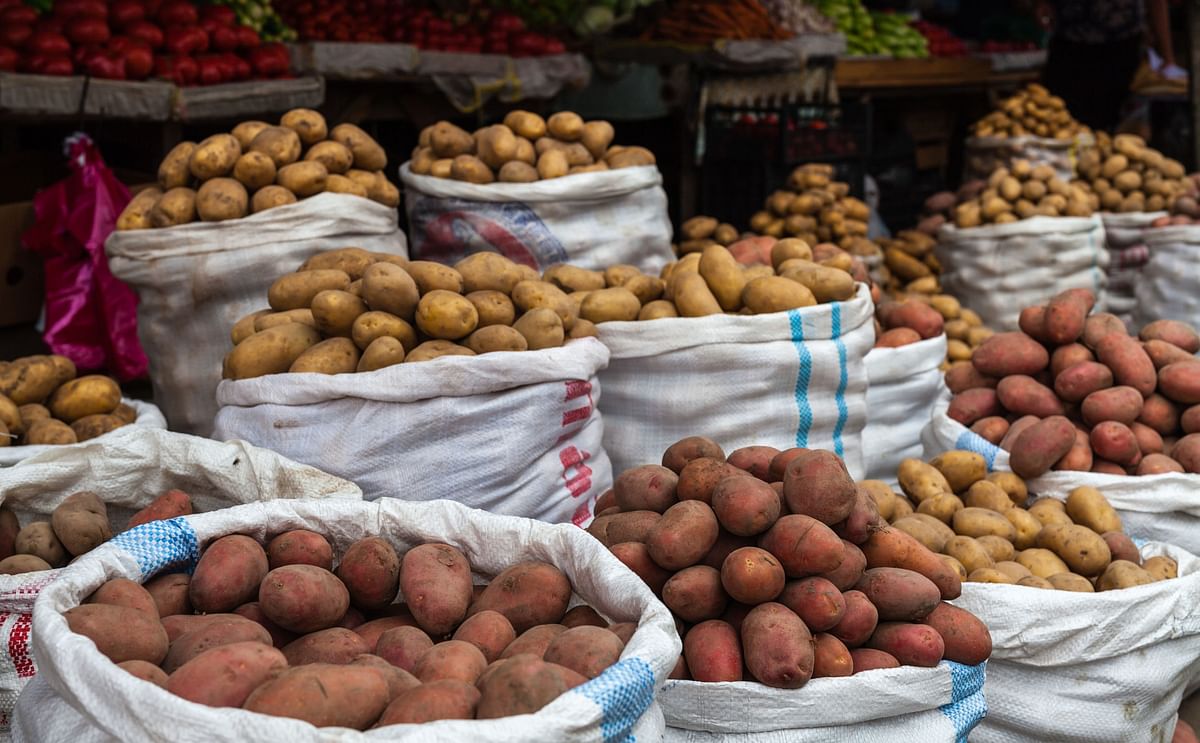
x: 816, y: 208
x: 258, y: 167
x: 43, y: 402
x: 524, y: 149
x: 909, y: 258
x: 1032, y: 112
x: 77, y: 526
x: 1023, y: 192
x: 280, y: 631
x: 778, y: 567
x: 350, y: 310
x: 1074, y: 391
x: 699, y: 232
x: 921, y: 311
x: 1128, y: 176
x: 989, y: 529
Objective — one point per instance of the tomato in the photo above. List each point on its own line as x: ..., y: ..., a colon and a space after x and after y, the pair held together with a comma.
x: 125, y: 13
x: 88, y: 30
x: 15, y: 35
x: 147, y: 32
x: 48, y: 44
x: 8, y: 59
x: 139, y: 61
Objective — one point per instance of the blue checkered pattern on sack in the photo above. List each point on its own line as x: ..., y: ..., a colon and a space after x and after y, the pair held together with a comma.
x: 967, y: 704
x: 623, y: 693
x: 971, y: 441
x: 161, y: 544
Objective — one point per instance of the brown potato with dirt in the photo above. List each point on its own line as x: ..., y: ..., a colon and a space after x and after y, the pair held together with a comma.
x: 120, y: 632
x: 324, y: 695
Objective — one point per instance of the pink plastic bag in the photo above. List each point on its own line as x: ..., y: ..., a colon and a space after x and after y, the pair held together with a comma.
x: 91, y: 316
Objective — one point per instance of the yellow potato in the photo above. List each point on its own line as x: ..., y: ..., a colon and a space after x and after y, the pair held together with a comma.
x: 335, y: 311
x: 246, y: 131
x: 49, y: 431
x: 1013, y: 569
x: 1079, y: 547
x: 271, y: 319
x: 527, y: 295
x: 430, y: 350
x: 658, y: 309
x: 471, y: 169
x: 354, y: 261
x: 271, y: 351
x: 723, y: 274
x: 1009, y: 482
x: 10, y: 417
x: 1026, y: 527
x: 1088, y: 507
x: 308, y: 124
x: 173, y: 208
x: 989, y: 575
x: 488, y: 271
x: 269, y: 197
x: 827, y: 284
x: 607, y: 305
x: 516, y: 171
x: 941, y: 507
x: 526, y: 124
x: 220, y: 199
x: 446, y: 315
x: 565, y: 126
x: 962, y: 469
x: 305, y: 178
x: 495, y: 145
x: 1049, y: 512
x: 371, y: 326
x: 280, y: 144
x: 925, y: 532
x: 919, y: 480
x: 383, y: 352
x: 136, y: 215
x: 596, y: 137
x: 573, y: 279
x: 174, y: 171
x: 335, y: 156
x: 494, y: 308
x: 976, y: 522
x: 970, y: 552
x: 331, y: 356
x: 430, y: 276
x: 1161, y: 567
x: 999, y: 548
x: 1042, y: 562
x: 254, y: 170
x: 955, y: 565
x: 691, y: 295
x: 1122, y: 574
x: 552, y: 164
x: 776, y: 294
x: 295, y: 291
x: 496, y: 338
x: 390, y: 288
x: 1071, y: 582
x: 368, y: 155
x: 90, y: 395
x: 989, y: 495
x: 342, y: 184
x: 542, y: 328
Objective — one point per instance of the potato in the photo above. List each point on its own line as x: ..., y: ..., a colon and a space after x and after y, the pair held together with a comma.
x: 527, y: 594
x: 368, y: 155
x: 50, y: 431
x: 817, y: 484
x: 1176, y: 333
x: 305, y: 178
x: 826, y: 284
x: 1121, y: 547
x: 19, y: 564
x: 1070, y: 582
x: 778, y: 647
x: 971, y: 553
x: 175, y: 207
x: 527, y: 295
x: 898, y: 594
x: 586, y: 650
x: 516, y: 171
x: 1088, y: 507
x: 750, y: 575
x: 435, y: 580
x: 629, y: 157
x: 174, y: 171
x: 889, y: 547
x: 685, y: 533
x: 723, y: 275
x: 1161, y: 567
x: 803, y: 546
x: 447, y: 140
x: 1123, y: 574
x: 919, y: 480
x: 1041, y: 445
x: 495, y: 145
x: 136, y: 215
x: 961, y: 469
x: 324, y: 695
x: 496, y: 338
x: 224, y: 676
x: 1026, y: 527
x: 336, y: 311
x: 84, y: 396
x: 430, y: 350
x: 522, y: 684
x: 335, y: 156
x: 1083, y: 550
x: 220, y: 199
x: 1014, y: 570
x: 80, y: 523
x: 269, y: 197
x: 280, y: 144
x: 964, y: 636
x: 541, y: 327
x: 119, y: 632
x: 91, y: 426
x: 446, y: 315
x: 608, y: 305
x: 437, y: 700
x: 713, y: 652
x: 1010, y: 353
x: 254, y: 170
x: 170, y: 594
x: 333, y: 645
x: 1129, y: 362
x: 246, y: 131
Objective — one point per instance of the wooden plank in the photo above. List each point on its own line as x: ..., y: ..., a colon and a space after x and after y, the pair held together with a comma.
x: 233, y: 100
x: 933, y: 72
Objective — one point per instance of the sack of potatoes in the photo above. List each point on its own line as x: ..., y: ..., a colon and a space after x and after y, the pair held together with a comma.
x: 1074, y: 391
x: 364, y: 616
x: 259, y: 166
x: 524, y: 149
x: 781, y: 568
x: 1024, y: 192
x: 1032, y: 112
x: 816, y: 208
x: 1128, y: 176
x: 43, y: 402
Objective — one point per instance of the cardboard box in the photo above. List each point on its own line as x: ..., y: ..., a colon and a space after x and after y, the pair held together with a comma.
x: 21, y: 292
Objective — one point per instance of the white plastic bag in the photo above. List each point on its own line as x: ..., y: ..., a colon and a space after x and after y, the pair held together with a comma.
x: 1166, y: 290
x: 1107, y: 667
x: 82, y: 697
x: 128, y: 468
x: 1163, y: 508
x: 903, y: 384
x: 592, y: 220
x: 148, y: 415
x: 512, y: 433
x: 1125, y: 238
x: 996, y: 270
x: 785, y: 379
x: 195, y: 281
x: 984, y: 155
x: 895, y: 704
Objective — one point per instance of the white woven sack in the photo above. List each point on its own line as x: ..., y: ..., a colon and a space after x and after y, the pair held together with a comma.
x: 592, y: 220
x: 930, y: 705
x: 998, y: 269
x: 1125, y: 237
x: 1163, y: 508
x: 1126, y: 229
x: 128, y: 468
x: 984, y: 155
x: 196, y: 280
x: 784, y: 379
x: 512, y: 433
x: 903, y: 384
x: 1107, y: 667
x: 148, y: 415
x: 82, y: 697
x: 1166, y: 290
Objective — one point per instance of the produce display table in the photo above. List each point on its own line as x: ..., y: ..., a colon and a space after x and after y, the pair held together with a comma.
x: 729, y: 55
x: 152, y: 101
x: 933, y: 72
